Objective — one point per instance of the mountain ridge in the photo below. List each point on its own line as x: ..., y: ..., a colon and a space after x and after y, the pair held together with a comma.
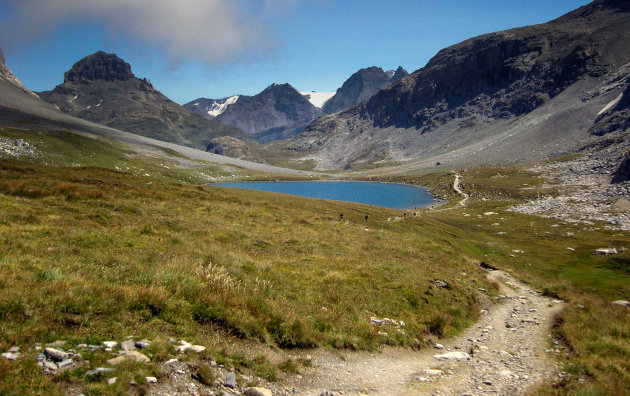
x: 480, y: 86
x: 102, y: 88
x: 360, y: 86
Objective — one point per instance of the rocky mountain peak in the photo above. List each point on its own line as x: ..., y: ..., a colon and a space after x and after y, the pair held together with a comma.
x: 99, y: 66
x: 359, y: 87
x: 280, y: 89
x: 398, y: 74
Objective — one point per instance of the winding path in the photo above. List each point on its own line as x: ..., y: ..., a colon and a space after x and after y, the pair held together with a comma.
x: 457, y: 187
x: 508, y: 347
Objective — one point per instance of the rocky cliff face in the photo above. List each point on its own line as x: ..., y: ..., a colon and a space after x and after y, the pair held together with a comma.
x: 361, y: 86
x: 101, y: 88
x: 476, y: 90
x: 615, y: 116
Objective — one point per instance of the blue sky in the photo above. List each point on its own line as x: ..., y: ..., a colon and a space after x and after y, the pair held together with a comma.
x: 218, y: 48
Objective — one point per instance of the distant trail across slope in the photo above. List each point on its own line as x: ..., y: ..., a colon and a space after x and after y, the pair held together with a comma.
x: 506, y: 352
x: 457, y: 187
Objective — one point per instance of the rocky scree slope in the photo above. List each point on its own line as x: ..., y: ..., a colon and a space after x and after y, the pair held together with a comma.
x: 101, y: 88
x: 361, y: 86
x: 519, y: 95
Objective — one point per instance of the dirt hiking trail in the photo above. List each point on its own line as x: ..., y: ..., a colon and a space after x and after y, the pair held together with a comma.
x: 504, y: 353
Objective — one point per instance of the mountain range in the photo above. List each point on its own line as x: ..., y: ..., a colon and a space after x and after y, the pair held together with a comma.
x: 102, y: 88
x: 515, y: 96
x: 281, y: 112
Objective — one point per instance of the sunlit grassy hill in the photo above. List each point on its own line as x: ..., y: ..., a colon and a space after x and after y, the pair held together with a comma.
x: 103, y: 242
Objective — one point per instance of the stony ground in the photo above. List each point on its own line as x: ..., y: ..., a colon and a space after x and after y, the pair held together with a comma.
x: 16, y: 148
x: 586, y: 192
x: 506, y: 352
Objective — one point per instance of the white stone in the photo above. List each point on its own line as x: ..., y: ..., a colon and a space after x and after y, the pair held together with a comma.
x: 56, y: 354
x: 197, y: 348
x: 433, y: 372
x: 110, y: 344
x: 453, y: 356
x: 11, y: 355
x: 257, y: 391
x: 623, y: 303
x: 606, y: 251
x: 151, y: 380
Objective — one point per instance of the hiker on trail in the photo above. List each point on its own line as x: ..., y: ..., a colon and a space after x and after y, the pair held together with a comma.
x: 366, y: 217
x: 340, y: 216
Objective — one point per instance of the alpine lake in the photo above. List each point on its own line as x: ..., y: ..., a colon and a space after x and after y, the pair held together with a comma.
x: 388, y: 195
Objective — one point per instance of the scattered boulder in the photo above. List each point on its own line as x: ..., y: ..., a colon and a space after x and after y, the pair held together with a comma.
x: 112, y: 381
x: 97, y: 372
x: 130, y: 355
x: 606, y: 251
x: 48, y: 365
x: 151, y: 380
x: 440, y: 283
x: 623, y: 171
x: 453, y: 356
x: 487, y: 266
x: 110, y: 344
x: 65, y: 363
x: 11, y: 355
x: 187, y: 345
x: 623, y: 303
x: 230, y: 380
x: 128, y: 345
x: 433, y: 372
x: 257, y: 391
x: 56, y: 354
x: 143, y: 344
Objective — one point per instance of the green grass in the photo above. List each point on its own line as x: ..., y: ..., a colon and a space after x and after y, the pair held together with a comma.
x: 69, y: 149
x: 91, y: 253
x: 597, y: 337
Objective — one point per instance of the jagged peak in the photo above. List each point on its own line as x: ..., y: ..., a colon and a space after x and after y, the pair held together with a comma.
x: 398, y: 74
x: 99, y: 66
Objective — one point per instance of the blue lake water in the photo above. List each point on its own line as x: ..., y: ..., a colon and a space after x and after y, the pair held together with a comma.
x: 388, y: 195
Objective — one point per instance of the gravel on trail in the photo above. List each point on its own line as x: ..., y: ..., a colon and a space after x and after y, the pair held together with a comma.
x: 509, y: 350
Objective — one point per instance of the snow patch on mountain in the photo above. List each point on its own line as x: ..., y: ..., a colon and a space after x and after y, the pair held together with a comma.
x: 318, y: 99
x: 220, y: 106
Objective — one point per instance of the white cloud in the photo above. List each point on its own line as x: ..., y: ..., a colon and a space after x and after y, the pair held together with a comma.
x: 215, y: 31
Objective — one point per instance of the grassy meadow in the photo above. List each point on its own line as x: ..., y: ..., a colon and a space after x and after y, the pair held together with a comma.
x: 89, y: 254
x: 93, y: 249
